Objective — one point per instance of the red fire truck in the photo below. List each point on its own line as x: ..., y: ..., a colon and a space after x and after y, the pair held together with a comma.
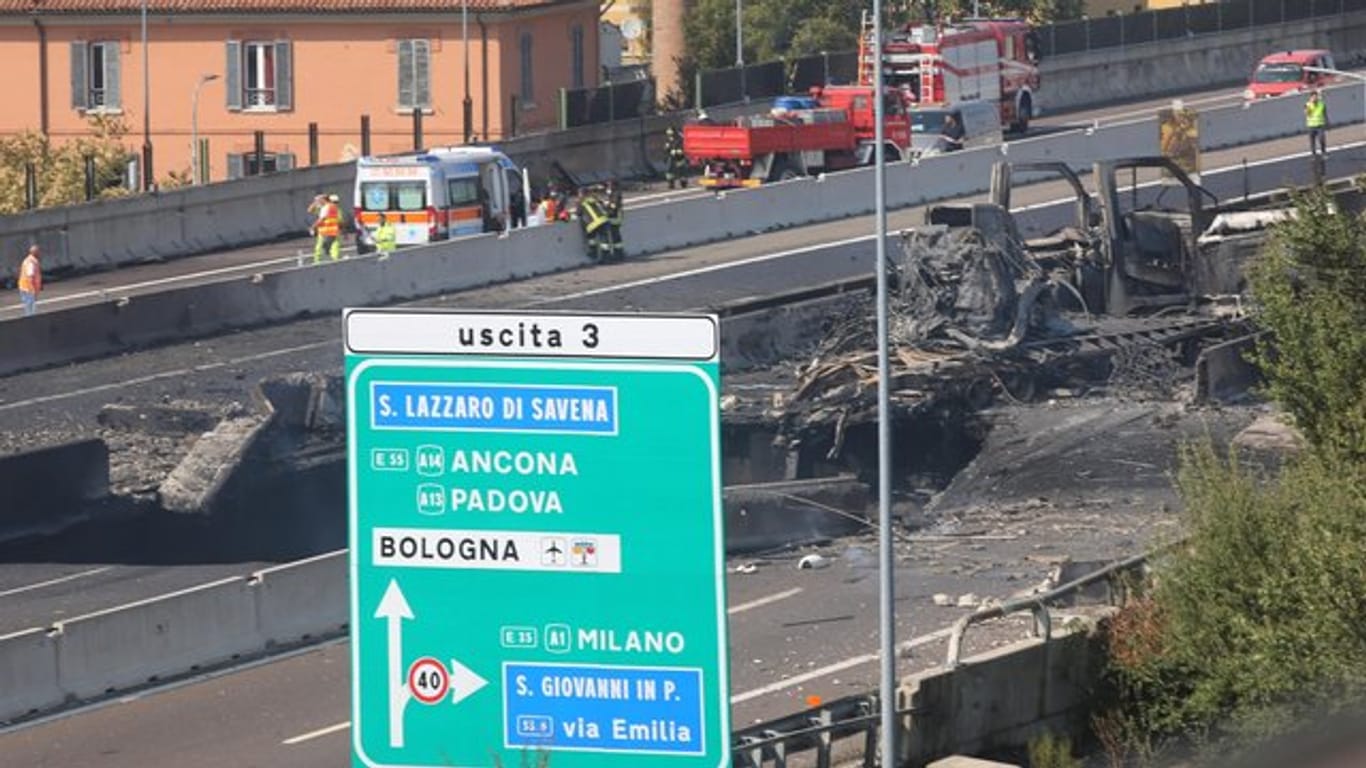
x: 831, y: 130
x: 988, y: 59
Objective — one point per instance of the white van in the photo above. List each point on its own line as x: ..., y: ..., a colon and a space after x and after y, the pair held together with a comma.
x: 435, y: 195
x: 981, y: 121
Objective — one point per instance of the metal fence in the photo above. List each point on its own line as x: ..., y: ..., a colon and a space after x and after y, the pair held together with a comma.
x: 773, y: 78
x: 1184, y: 21
x: 606, y: 103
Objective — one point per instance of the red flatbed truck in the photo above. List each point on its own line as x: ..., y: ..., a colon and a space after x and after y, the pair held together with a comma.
x: 833, y: 131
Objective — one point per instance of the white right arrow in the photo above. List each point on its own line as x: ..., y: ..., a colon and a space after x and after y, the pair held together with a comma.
x: 394, y: 608
x: 464, y: 682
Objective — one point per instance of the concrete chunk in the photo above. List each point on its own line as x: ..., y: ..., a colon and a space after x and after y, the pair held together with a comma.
x: 192, y: 486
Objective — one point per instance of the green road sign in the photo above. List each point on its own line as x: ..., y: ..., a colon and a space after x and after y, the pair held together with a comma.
x: 537, y: 562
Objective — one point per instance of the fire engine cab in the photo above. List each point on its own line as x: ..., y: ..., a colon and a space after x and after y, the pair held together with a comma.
x: 993, y: 60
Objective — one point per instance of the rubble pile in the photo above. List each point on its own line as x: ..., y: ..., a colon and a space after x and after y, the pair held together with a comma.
x: 962, y: 303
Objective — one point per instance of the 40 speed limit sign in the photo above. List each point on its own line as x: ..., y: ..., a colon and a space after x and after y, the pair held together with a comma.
x: 428, y: 680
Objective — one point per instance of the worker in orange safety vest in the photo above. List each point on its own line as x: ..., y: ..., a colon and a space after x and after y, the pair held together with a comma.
x: 30, y: 281
x: 327, y: 229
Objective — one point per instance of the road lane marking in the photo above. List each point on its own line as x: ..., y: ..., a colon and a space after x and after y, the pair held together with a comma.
x: 54, y: 582
x: 839, y: 666
x: 702, y: 270
x: 343, y: 725
x: 166, y: 375
x: 752, y: 604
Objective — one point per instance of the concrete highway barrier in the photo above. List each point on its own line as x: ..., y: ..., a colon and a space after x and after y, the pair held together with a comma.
x: 28, y: 673
x: 121, y: 648
x: 301, y: 601
x: 140, y: 642
x: 1109, y: 75
x: 199, y: 309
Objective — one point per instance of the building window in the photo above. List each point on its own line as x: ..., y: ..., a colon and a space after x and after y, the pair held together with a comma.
x: 526, y: 93
x: 576, y: 55
x: 259, y: 75
x: 243, y: 164
x: 95, y: 76
x: 414, y: 74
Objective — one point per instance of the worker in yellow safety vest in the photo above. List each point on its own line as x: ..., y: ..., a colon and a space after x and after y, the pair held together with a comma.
x: 30, y: 281
x: 327, y: 229
x: 386, y: 237
x: 1316, y: 120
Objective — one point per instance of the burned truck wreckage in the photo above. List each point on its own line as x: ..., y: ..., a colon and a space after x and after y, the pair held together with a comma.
x: 1121, y: 299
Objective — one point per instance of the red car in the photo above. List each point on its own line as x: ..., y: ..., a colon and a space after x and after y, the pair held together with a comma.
x: 1284, y: 73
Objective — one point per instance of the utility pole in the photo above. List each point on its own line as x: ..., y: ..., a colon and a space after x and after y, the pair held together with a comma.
x: 146, y: 108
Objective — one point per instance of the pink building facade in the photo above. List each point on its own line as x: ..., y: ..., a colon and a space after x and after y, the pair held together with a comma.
x: 277, y: 66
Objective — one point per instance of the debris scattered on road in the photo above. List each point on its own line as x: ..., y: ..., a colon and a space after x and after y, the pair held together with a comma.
x: 811, y: 562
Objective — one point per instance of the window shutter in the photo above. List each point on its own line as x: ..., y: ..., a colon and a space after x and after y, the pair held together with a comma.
x: 422, y: 92
x: 284, y: 76
x: 405, y: 74
x: 284, y: 161
x: 236, y: 167
x: 232, y: 72
x: 113, y: 93
x: 525, y: 52
x: 576, y: 56
x: 80, y: 91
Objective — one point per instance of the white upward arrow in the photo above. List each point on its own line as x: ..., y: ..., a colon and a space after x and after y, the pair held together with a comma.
x: 464, y: 682
x: 394, y: 608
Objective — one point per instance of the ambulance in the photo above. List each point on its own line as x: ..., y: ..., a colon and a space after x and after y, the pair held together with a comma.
x: 435, y: 195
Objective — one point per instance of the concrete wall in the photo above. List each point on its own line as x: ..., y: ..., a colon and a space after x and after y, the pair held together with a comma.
x: 1000, y: 699
x: 45, y: 489
x: 1153, y: 69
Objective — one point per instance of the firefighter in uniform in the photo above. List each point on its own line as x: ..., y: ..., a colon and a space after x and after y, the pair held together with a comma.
x: 676, y: 169
x: 616, y: 212
x: 328, y: 230
x: 597, y: 226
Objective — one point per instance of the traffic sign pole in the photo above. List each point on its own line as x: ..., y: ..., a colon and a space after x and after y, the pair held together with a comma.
x: 537, y: 550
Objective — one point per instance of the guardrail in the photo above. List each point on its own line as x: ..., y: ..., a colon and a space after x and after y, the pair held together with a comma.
x: 819, y: 730
x: 854, y: 718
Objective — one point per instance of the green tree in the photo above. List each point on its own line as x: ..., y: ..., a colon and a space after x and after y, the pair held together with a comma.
x: 1258, y: 621
x: 1310, y: 288
x: 60, y: 168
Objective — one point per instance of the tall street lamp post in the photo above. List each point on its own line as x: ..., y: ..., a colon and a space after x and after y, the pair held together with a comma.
x: 467, y: 106
x: 146, y: 108
x: 194, y: 128
x: 740, y: 45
